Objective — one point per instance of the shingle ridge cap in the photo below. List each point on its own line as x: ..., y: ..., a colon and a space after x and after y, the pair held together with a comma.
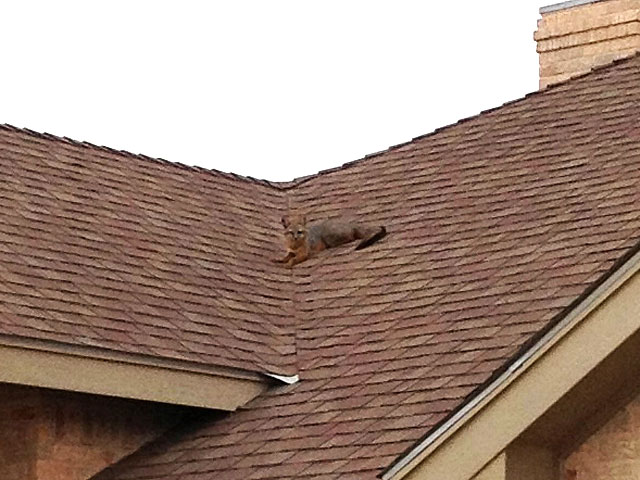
x: 157, y: 160
x: 287, y: 185
x: 301, y: 180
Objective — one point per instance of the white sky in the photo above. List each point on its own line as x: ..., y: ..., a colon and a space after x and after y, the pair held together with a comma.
x: 267, y: 88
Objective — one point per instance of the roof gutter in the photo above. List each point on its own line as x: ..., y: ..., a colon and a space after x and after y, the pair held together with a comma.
x: 48, y: 364
x: 613, y: 279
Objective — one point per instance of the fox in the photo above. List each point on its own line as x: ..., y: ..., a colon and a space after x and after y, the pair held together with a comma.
x: 303, y: 241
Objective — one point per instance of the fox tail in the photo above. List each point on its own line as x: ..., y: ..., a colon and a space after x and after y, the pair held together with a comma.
x: 372, y: 239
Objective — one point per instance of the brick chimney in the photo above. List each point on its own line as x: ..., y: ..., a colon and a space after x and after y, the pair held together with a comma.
x: 577, y: 35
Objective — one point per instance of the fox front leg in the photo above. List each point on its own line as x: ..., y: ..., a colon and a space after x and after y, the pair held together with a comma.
x: 286, y: 258
x: 297, y: 258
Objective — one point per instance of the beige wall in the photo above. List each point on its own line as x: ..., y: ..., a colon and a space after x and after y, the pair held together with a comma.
x: 521, y: 462
x: 495, y: 470
x: 55, y: 435
x: 612, y: 452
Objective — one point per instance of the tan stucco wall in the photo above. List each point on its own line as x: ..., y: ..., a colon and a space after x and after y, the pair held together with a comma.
x: 495, y: 470
x: 612, y: 452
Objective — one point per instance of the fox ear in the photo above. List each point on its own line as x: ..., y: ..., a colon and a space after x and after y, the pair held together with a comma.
x: 285, y: 221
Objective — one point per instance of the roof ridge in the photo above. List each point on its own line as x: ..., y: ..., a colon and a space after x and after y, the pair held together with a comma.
x: 162, y: 161
x: 291, y: 184
x: 300, y: 180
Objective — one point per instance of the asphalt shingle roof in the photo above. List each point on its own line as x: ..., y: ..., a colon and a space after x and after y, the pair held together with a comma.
x: 496, y: 224
x: 116, y: 251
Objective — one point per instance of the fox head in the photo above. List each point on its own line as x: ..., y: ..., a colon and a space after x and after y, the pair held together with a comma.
x: 295, y: 230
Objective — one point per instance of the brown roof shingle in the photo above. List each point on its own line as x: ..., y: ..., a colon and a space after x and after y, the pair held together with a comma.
x: 496, y: 225
x: 111, y: 250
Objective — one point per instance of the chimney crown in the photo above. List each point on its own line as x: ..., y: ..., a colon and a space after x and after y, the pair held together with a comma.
x: 575, y: 36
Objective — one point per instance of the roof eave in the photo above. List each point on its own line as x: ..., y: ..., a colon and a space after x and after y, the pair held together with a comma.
x: 104, y: 372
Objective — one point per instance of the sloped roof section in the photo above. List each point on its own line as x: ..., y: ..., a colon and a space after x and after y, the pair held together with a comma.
x: 496, y: 225
x: 108, y: 250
